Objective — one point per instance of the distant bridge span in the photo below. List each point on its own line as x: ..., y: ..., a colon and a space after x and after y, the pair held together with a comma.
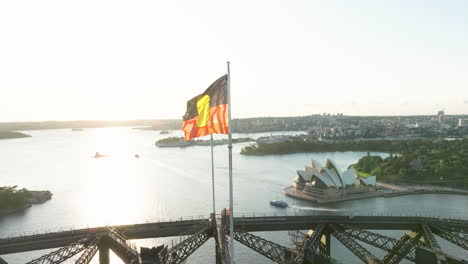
x: 418, y: 241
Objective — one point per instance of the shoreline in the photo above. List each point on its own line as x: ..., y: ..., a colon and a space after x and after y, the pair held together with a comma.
x: 292, y: 192
x: 38, y: 197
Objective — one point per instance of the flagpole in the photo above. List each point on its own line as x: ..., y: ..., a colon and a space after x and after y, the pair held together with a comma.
x: 212, y: 175
x: 231, y: 203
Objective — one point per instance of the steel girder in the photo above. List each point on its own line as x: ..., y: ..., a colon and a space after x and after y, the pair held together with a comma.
x: 431, y: 242
x: 403, y: 246
x: 128, y: 250
x: 455, y: 236
x: 2, y: 261
x: 377, y: 240
x: 271, y: 250
x: 89, y: 253
x: 184, y: 249
x: 308, y: 246
x: 353, y: 246
x: 222, y: 239
x: 64, y: 253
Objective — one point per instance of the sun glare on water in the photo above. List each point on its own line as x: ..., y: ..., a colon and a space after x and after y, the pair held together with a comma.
x: 110, y: 185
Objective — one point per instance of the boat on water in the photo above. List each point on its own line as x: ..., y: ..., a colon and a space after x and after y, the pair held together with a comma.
x: 99, y: 155
x: 278, y: 203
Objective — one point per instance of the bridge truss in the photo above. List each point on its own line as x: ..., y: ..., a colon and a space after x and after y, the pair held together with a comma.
x: 311, y: 240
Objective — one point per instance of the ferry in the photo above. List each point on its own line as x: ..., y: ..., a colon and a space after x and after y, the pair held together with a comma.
x: 279, y: 203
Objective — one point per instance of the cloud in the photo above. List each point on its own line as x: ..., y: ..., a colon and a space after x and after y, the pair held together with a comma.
x: 465, y: 102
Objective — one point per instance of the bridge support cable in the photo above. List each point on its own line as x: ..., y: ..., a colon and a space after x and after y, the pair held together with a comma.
x: 377, y: 240
x: 125, y: 250
x: 407, y: 243
x: 431, y: 242
x: 64, y: 253
x: 182, y: 250
x: 271, y: 250
x: 454, y: 236
x: 89, y: 253
x: 353, y: 246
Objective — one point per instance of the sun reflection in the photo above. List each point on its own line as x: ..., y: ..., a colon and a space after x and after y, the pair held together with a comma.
x: 112, y: 191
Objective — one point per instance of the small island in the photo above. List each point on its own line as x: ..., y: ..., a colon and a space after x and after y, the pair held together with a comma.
x: 173, y: 142
x: 12, y: 134
x: 13, y: 200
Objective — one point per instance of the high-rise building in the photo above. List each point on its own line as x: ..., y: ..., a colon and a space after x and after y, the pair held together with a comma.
x: 441, y: 117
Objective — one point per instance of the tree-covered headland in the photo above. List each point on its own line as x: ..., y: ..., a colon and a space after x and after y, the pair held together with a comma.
x: 13, y: 199
x: 438, y: 162
x: 418, y: 160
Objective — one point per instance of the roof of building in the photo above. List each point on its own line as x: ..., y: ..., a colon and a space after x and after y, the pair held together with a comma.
x: 325, y: 179
x: 304, y: 175
x: 349, y: 177
x: 331, y: 175
x: 369, y: 181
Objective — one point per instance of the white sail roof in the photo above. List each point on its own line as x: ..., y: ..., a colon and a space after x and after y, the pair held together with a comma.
x: 304, y: 175
x: 369, y: 181
x: 332, y: 166
x: 325, y: 179
x: 316, y: 166
x: 349, y: 177
x: 332, y: 175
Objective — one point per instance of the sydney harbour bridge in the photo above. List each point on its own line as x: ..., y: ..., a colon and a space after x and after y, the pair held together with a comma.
x: 311, y: 236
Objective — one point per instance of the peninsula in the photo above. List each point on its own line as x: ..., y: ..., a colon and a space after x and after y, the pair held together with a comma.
x: 13, y: 200
x: 327, y: 184
x: 11, y: 134
x: 174, y: 142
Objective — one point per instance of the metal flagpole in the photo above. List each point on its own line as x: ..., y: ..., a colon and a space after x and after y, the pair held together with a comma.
x: 212, y: 175
x: 231, y: 203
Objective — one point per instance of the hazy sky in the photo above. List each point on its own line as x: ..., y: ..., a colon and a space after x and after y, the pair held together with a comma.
x: 69, y: 60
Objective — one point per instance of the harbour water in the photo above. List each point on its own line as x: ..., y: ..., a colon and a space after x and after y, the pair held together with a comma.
x: 168, y: 183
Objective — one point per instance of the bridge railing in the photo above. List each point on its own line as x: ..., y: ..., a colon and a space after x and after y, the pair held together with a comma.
x: 353, y: 213
x: 84, y: 229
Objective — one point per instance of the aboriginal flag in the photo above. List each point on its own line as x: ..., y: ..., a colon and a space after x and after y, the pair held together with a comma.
x: 207, y: 113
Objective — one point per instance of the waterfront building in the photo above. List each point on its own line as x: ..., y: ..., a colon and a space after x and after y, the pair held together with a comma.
x: 329, y: 182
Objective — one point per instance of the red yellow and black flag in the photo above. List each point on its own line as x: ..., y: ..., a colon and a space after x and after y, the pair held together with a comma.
x: 207, y: 113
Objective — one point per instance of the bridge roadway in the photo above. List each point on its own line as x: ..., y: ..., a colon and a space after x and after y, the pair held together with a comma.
x: 247, y: 224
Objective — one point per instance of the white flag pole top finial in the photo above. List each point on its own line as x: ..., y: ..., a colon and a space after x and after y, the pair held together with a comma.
x: 231, y: 202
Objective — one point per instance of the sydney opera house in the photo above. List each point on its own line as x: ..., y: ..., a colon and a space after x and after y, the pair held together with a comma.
x: 327, y: 182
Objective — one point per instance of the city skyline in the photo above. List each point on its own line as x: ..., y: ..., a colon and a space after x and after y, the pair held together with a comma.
x: 116, y: 60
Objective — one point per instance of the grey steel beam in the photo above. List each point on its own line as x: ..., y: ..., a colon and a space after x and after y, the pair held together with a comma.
x: 377, y: 240
x: 222, y: 241
x: 104, y: 254
x: 64, y: 253
x: 185, y: 248
x: 247, y: 224
x: 404, y: 245
x: 2, y: 261
x: 426, y: 255
x: 353, y: 246
x: 120, y: 246
x: 89, y: 253
x: 306, y: 251
x: 431, y: 242
x: 453, y: 235
x: 271, y: 250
